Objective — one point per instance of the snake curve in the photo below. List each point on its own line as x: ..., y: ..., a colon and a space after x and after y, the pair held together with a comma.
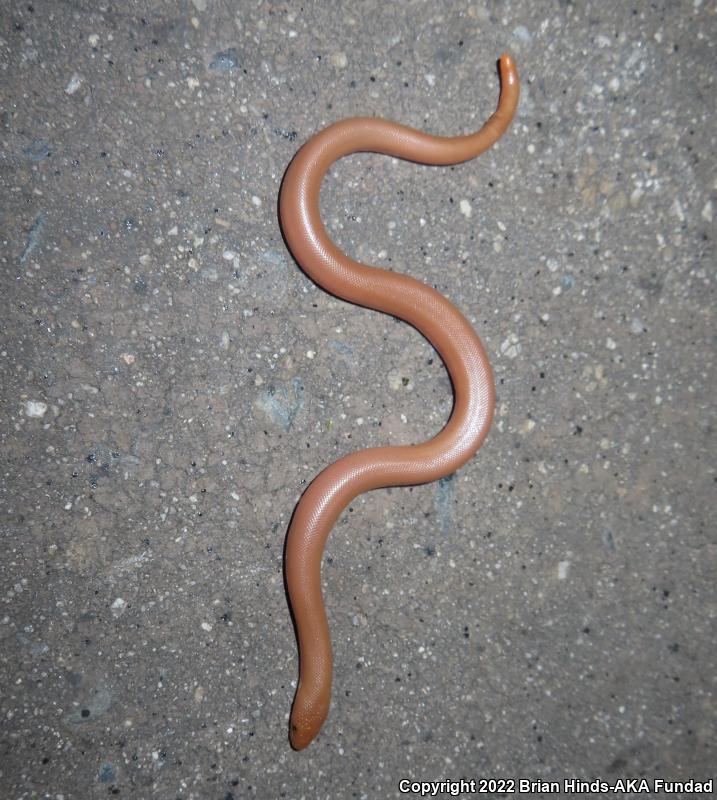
x: 401, y: 296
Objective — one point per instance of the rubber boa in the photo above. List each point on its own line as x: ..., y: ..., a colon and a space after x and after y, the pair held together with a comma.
x: 401, y: 296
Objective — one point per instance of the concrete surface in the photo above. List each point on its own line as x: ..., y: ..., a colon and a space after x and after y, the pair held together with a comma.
x: 171, y: 381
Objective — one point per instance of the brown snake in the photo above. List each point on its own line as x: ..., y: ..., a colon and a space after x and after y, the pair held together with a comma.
x: 401, y: 296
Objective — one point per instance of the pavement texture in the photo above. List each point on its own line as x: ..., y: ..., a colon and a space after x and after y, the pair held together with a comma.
x: 171, y: 382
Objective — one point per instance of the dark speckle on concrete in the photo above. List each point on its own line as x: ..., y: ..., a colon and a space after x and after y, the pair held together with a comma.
x: 171, y: 381
x: 608, y: 540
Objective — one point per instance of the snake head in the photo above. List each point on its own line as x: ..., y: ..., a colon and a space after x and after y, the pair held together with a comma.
x: 307, y: 717
x: 300, y: 736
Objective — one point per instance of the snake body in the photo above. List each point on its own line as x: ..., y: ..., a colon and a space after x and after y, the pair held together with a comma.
x: 401, y: 296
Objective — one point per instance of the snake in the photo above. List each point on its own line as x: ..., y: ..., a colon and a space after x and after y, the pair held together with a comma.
x: 401, y: 296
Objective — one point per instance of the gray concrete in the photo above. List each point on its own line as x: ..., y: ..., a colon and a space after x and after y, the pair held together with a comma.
x: 171, y: 381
